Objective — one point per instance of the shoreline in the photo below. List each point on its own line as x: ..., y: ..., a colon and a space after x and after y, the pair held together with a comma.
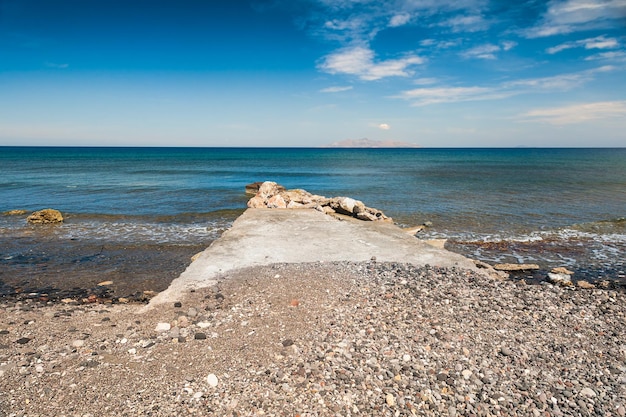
x: 354, y: 338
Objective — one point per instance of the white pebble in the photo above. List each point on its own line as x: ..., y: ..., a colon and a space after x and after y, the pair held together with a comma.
x: 78, y: 343
x: 406, y: 357
x: 198, y: 395
x: 39, y: 369
x: 163, y: 327
x: 132, y: 351
x: 211, y: 379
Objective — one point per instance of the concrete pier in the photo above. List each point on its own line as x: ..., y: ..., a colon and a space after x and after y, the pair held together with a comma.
x: 266, y: 236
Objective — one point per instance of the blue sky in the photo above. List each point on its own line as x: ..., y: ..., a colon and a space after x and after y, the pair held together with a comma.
x: 436, y: 73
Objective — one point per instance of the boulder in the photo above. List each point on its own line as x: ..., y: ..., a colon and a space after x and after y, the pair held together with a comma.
x: 346, y: 205
x: 563, y: 280
x: 256, y: 202
x: 515, y: 267
x: 269, y: 189
x: 276, y: 201
x: 46, y: 216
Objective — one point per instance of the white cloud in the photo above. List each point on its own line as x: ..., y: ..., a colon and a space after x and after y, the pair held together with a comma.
x: 336, y: 89
x: 399, y: 20
x: 487, y: 51
x: 463, y: 23
x: 508, y: 45
x: 567, y: 16
x: 577, y: 113
x: 424, y: 96
x: 425, y: 81
x: 617, y: 56
x: 360, y: 61
x: 599, y: 42
x: 446, y: 94
x: 561, y: 82
x: 384, y: 126
x: 482, y: 51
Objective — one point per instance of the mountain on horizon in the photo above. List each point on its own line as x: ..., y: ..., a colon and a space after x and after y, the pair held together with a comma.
x: 370, y: 143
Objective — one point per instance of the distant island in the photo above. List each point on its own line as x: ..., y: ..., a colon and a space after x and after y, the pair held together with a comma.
x: 369, y: 143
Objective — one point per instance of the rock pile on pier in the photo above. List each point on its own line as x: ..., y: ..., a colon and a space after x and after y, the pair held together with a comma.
x: 272, y: 195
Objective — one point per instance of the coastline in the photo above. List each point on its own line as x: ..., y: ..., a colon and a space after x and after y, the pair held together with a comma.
x: 348, y: 338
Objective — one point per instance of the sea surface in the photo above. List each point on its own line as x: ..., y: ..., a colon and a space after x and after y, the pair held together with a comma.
x: 135, y: 216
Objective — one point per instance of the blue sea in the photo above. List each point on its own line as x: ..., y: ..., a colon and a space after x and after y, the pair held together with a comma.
x: 136, y: 215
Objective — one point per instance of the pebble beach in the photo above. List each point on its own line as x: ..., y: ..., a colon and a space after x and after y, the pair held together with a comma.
x: 323, y: 339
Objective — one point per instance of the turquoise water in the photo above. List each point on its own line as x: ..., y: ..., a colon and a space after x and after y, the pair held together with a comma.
x: 522, y: 199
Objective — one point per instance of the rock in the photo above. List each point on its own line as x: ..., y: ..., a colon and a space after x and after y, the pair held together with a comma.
x: 364, y: 215
x: 46, y: 216
x: 78, y: 343
x: 505, y: 351
x: 585, y: 285
x: 22, y: 340
x: 561, y: 270
x: 276, y: 201
x: 200, y: 336
x: 287, y: 342
x: 256, y: 202
x: 211, y: 379
x: 105, y: 283
x: 413, y: 230
x: 345, y: 205
x: 14, y: 213
x: 196, y: 256
x: 269, y: 189
x: 436, y: 243
x: 272, y: 195
x: 162, y: 327
x: 253, y: 188
x: 466, y: 374
x: 587, y: 392
x: 515, y: 267
x: 560, y: 279
x: 390, y: 400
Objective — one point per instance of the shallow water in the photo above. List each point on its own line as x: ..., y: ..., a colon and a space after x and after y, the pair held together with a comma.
x: 136, y: 215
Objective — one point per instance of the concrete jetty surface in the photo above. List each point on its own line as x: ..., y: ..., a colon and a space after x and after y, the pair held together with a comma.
x: 267, y: 236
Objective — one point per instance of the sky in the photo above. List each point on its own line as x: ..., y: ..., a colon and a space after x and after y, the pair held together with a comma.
x: 437, y: 73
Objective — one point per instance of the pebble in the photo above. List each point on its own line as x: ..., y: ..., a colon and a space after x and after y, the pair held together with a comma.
x: 200, y: 336
x: 162, y: 327
x: 211, y: 379
x: 588, y: 392
x: 78, y: 343
x: 22, y: 340
x: 446, y: 343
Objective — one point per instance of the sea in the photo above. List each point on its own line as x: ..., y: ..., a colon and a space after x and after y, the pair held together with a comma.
x: 135, y: 216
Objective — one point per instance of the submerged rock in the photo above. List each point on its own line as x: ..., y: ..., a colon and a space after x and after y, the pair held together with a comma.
x: 515, y: 267
x: 46, y: 216
x: 14, y: 213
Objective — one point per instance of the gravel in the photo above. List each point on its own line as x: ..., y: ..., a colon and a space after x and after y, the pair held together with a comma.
x: 324, y: 339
